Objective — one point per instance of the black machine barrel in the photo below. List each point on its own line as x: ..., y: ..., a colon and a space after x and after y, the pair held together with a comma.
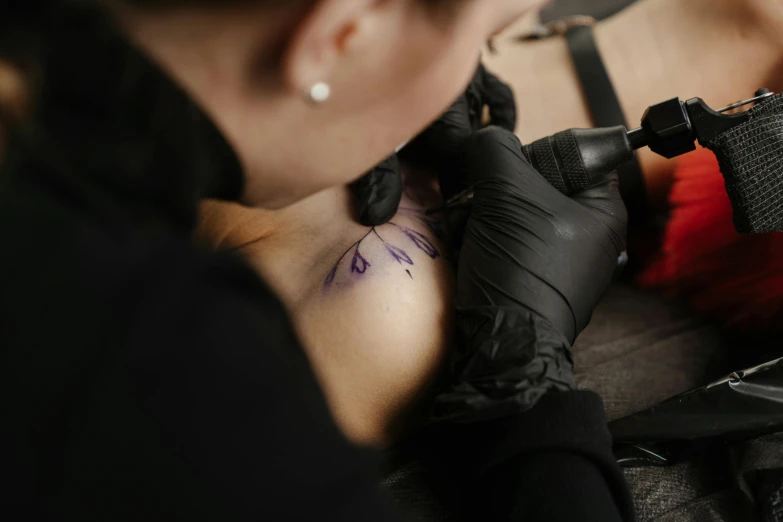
x: 577, y: 159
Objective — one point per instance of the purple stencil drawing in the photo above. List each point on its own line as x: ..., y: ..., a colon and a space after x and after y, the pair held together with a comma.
x: 421, y: 241
x: 333, y: 274
x: 330, y: 278
x: 359, y: 263
x: 399, y: 254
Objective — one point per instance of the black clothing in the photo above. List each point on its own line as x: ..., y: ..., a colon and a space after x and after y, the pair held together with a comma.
x: 142, y: 377
x: 551, y: 463
x: 378, y: 193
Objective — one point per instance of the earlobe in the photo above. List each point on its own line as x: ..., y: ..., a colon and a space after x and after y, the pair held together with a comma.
x: 319, y: 41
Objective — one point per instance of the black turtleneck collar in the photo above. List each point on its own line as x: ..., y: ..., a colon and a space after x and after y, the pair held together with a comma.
x: 113, y: 132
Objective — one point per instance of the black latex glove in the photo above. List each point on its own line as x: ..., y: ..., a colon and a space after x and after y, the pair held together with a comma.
x: 443, y: 140
x: 532, y: 267
x: 439, y: 147
x: 378, y: 193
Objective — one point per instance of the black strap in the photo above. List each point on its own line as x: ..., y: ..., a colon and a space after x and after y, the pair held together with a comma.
x: 605, y: 108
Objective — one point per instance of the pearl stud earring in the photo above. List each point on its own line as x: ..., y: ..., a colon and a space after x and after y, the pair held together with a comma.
x: 320, y: 92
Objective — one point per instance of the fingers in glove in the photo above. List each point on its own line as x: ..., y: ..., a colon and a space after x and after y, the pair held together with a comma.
x: 474, y: 95
x: 455, y: 221
x: 439, y: 144
x: 607, y: 206
x: 441, y: 147
x: 495, y: 154
x: 500, y: 99
x: 378, y: 193
x: 528, y: 245
x: 607, y: 190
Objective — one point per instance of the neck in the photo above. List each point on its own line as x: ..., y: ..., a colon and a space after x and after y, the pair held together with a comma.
x: 235, y: 226
x: 285, y: 245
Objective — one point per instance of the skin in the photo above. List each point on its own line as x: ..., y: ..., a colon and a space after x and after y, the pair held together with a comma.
x: 718, y: 50
x: 376, y: 340
x: 393, y: 67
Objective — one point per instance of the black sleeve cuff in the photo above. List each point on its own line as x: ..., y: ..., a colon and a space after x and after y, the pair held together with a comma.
x: 565, y: 423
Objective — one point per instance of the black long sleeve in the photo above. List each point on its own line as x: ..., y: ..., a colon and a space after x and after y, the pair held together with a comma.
x: 553, y: 462
x: 167, y: 384
x: 556, y: 463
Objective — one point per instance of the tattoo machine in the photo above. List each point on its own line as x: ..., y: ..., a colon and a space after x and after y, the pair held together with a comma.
x: 748, y: 145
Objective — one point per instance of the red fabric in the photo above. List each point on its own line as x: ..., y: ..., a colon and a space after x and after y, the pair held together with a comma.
x: 736, y: 279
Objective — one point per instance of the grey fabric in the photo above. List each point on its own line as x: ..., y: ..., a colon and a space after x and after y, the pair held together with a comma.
x: 748, y: 156
x: 638, y: 351
x: 414, y: 494
x: 762, y: 454
x: 756, y: 457
x: 697, y: 491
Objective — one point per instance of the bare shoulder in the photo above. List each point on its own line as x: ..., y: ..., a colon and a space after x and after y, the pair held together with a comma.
x: 377, y: 324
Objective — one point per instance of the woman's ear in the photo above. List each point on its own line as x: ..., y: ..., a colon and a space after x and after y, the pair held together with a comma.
x: 322, y: 37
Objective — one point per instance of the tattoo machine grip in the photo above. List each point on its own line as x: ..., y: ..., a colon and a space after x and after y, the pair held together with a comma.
x: 577, y: 159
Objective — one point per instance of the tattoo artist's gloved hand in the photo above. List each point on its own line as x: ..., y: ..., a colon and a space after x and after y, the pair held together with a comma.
x: 532, y: 267
x: 439, y: 147
x: 378, y: 193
